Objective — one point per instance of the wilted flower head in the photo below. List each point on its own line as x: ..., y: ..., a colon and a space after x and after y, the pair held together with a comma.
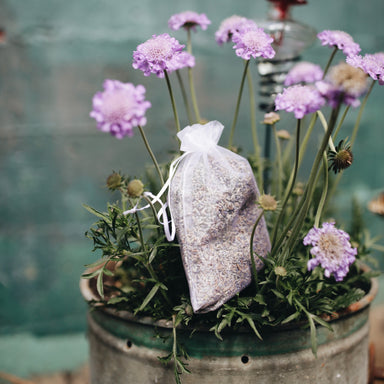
x: 161, y: 53
x: 120, y: 108
x: 280, y: 271
x: 340, y: 39
x: 267, y: 202
x: 341, y: 158
x: 331, y: 249
x: 299, y: 99
x: 344, y: 83
x: 376, y: 205
x: 188, y: 20
x: 283, y: 134
x: 371, y: 64
x: 304, y: 72
x: 252, y: 41
x: 271, y: 118
x: 231, y: 25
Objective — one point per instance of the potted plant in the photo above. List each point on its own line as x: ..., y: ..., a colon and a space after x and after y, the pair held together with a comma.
x: 210, y: 272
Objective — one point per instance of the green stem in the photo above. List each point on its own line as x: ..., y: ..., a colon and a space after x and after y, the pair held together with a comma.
x: 320, y: 208
x: 290, y: 184
x: 360, y: 114
x: 254, y: 269
x: 185, y: 97
x: 330, y: 61
x: 303, y: 207
x: 230, y: 143
x: 303, y: 146
x: 151, y: 154
x: 176, y: 116
x: 341, y: 122
x: 353, y: 138
x: 252, y: 113
x: 148, y: 265
x: 191, y: 82
x: 154, y: 213
x: 325, y: 126
x: 279, y: 165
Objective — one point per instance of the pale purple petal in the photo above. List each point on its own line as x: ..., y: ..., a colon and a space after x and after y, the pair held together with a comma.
x: 157, y: 55
x: 371, y: 64
x: 304, y: 72
x: 231, y: 25
x: 331, y: 250
x: 182, y: 60
x: 299, y: 99
x: 252, y: 41
x: 188, y: 19
x: 120, y: 108
x: 340, y: 39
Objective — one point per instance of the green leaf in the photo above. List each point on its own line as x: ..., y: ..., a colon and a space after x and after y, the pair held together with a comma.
x: 100, y: 285
x: 313, y: 334
x: 91, y: 274
x: 278, y: 294
x: 290, y: 318
x: 260, y: 299
x: 253, y: 326
x: 116, y: 300
x: 95, y: 264
x: 152, y: 255
x: 322, y: 322
x: 148, y: 298
x: 96, y: 212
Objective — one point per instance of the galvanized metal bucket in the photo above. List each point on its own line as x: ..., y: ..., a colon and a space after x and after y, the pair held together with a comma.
x: 125, y: 349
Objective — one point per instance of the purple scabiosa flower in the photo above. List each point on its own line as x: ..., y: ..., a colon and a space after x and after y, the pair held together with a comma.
x: 231, y: 25
x: 251, y: 41
x: 188, y: 20
x: 340, y: 39
x: 343, y: 84
x: 183, y: 60
x: 299, y: 99
x: 331, y: 249
x: 160, y: 53
x: 120, y: 108
x: 304, y: 72
x: 371, y: 64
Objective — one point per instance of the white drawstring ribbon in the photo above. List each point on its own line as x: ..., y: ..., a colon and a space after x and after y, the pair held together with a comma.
x: 196, y: 138
x: 162, y: 216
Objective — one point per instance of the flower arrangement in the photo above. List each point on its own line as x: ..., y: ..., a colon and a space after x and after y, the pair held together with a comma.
x: 307, y: 267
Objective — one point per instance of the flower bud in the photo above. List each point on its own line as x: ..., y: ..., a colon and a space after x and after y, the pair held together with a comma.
x: 114, y: 181
x: 135, y: 188
x: 271, y: 118
x: 283, y: 134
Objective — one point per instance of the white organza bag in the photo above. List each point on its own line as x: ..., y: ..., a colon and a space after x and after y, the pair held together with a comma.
x: 212, y: 199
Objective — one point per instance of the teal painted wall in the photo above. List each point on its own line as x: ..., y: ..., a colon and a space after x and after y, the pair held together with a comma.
x: 55, y: 56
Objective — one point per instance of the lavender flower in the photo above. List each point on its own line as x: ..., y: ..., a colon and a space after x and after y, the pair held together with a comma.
x: 231, y: 25
x: 304, y: 72
x: 161, y: 53
x: 120, y: 108
x: 371, y: 64
x: 252, y: 41
x: 340, y: 39
x: 331, y: 249
x: 188, y: 19
x: 343, y: 81
x: 300, y: 99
